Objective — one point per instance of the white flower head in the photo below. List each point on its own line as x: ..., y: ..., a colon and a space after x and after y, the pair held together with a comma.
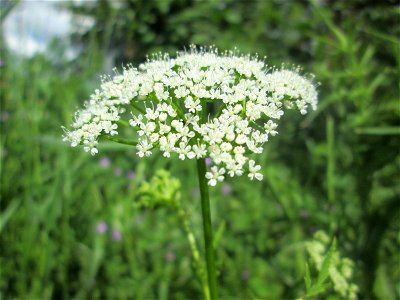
x: 202, y: 103
x: 215, y: 175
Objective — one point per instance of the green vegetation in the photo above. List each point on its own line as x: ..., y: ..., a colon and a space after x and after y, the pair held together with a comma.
x: 112, y: 227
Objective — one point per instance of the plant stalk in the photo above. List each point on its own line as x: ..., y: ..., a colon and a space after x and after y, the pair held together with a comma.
x: 207, y: 229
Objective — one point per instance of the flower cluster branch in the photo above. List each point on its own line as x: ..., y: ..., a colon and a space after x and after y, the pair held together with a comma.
x: 169, y: 98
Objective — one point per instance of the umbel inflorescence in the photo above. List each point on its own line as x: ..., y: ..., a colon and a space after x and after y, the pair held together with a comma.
x: 200, y: 104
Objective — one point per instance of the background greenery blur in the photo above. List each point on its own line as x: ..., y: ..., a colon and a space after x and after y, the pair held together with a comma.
x: 68, y: 225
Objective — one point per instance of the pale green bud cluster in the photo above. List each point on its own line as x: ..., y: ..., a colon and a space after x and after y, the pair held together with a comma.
x: 341, y: 269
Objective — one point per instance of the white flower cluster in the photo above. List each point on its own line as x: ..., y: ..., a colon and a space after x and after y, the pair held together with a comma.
x: 200, y: 104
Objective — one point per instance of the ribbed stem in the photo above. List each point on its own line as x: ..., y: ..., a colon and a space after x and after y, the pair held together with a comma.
x: 207, y: 228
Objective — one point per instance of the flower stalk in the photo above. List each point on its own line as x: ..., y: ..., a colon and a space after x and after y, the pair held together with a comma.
x: 207, y: 229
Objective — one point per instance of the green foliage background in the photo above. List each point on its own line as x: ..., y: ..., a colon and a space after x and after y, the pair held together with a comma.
x: 337, y: 170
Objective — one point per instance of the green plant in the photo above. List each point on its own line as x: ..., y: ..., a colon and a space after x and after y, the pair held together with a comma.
x: 52, y: 198
x: 330, y: 266
x: 200, y: 104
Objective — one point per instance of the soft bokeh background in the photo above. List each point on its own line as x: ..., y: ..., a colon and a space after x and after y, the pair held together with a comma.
x: 68, y: 225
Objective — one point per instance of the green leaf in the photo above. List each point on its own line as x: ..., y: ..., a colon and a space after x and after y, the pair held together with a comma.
x: 307, y: 278
x: 383, y: 36
x: 326, y: 264
x: 315, y: 290
x: 341, y: 37
x: 389, y: 130
x: 8, y: 213
x: 218, y: 234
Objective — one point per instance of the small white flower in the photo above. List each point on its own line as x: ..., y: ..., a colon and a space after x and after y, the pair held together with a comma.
x: 147, y: 129
x: 215, y: 175
x: 193, y: 119
x: 239, y: 150
x: 199, y: 150
x: 151, y: 114
x: 178, y: 125
x: 183, y: 150
x: 181, y: 92
x: 154, y: 137
x: 241, y: 139
x: 270, y: 127
x: 94, y: 151
x: 144, y: 148
x: 235, y: 169
x: 253, y: 171
x: 163, y: 117
x: 191, y: 105
x: 136, y: 120
x: 164, y: 129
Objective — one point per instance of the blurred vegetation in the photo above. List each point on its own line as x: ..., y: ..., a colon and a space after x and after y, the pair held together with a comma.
x: 337, y: 170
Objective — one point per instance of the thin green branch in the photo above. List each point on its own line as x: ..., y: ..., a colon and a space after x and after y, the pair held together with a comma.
x: 330, y: 171
x: 122, y: 123
x: 199, y: 269
x: 139, y: 109
x: 178, y: 110
x: 384, y: 130
x: 259, y: 127
x: 120, y: 140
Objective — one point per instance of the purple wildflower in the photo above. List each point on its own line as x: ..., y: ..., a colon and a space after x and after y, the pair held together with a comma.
x: 131, y: 175
x: 101, y: 227
x: 116, y: 235
x: 226, y: 189
x: 105, y: 162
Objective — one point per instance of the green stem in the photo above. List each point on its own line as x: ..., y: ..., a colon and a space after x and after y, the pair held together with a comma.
x: 198, y: 266
x: 258, y: 126
x: 330, y: 171
x: 120, y: 140
x: 208, y: 236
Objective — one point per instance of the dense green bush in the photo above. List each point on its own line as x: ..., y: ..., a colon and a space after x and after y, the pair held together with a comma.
x: 336, y: 171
